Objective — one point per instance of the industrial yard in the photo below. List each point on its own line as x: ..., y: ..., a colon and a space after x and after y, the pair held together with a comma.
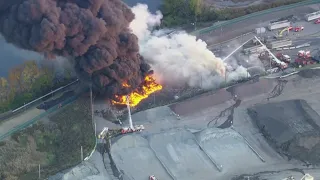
x: 281, y: 46
x: 178, y: 136
x: 212, y: 136
x: 261, y: 123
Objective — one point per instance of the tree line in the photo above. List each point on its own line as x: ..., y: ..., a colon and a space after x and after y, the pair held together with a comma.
x: 187, y: 12
x: 29, y: 81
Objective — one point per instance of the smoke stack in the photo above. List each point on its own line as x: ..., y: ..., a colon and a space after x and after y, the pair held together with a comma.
x: 129, y: 114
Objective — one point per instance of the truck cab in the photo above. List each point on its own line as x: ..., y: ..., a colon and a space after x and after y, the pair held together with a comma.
x: 152, y: 177
x: 299, y: 28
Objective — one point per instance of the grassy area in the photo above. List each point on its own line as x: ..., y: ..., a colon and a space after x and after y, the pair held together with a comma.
x: 53, y: 143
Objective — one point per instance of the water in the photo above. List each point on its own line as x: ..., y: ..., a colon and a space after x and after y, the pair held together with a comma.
x: 153, y: 5
x: 11, y: 56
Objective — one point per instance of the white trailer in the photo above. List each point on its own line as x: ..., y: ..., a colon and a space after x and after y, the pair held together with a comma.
x: 279, y: 44
x: 312, y: 16
x: 278, y: 25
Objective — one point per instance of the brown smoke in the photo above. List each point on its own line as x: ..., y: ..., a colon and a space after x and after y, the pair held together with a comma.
x: 92, y: 32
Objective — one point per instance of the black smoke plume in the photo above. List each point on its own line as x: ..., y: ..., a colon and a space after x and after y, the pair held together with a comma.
x: 94, y: 33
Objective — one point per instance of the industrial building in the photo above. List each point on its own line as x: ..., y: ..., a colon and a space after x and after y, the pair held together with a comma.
x: 279, y: 43
x: 278, y: 25
x: 312, y: 16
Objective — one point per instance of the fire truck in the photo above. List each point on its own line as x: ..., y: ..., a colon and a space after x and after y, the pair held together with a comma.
x: 298, y: 29
x: 275, y: 63
x: 304, y: 58
x: 103, y: 133
x: 284, y: 58
x: 131, y: 128
x: 153, y: 177
x: 137, y: 128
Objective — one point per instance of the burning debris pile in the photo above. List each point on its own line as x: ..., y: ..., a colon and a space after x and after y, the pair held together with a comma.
x: 94, y: 34
x: 148, y: 87
x: 102, y: 38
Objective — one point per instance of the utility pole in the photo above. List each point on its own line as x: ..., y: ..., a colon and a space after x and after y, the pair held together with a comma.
x: 39, y: 172
x: 221, y: 42
x: 81, y: 154
x: 225, y: 77
x: 92, y: 117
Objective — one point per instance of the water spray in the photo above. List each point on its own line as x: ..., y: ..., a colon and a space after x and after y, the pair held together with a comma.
x: 129, y: 112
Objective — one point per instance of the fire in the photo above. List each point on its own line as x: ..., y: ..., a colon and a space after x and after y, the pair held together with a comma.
x: 148, y: 87
x: 125, y: 84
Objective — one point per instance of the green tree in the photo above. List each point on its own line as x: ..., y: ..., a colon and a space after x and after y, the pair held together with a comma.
x: 195, y: 6
x: 4, y: 89
x: 29, y: 73
x: 176, y: 12
x: 15, y: 79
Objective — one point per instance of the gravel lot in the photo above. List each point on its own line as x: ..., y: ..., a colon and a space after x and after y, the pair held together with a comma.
x: 290, y: 127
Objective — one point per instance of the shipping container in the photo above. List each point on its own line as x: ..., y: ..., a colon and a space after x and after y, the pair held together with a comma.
x: 260, y: 30
x: 312, y: 16
x: 279, y: 44
x: 278, y: 25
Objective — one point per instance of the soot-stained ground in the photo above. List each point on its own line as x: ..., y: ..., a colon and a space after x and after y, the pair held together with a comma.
x: 290, y: 126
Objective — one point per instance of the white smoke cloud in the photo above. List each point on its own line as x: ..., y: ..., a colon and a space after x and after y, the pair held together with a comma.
x: 178, y: 58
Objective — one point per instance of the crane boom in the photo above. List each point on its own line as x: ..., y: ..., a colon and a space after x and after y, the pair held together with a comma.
x: 236, y: 50
x: 283, y: 30
x: 274, y: 57
x: 129, y: 112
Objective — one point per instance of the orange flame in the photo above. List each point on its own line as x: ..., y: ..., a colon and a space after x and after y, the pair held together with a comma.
x: 148, y: 87
x: 125, y: 84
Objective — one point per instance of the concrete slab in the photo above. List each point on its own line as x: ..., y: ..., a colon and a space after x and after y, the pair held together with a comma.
x: 132, y: 156
x: 179, y: 151
x: 228, y: 149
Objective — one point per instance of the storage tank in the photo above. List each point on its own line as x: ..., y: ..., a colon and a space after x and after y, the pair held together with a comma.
x: 278, y: 25
x: 260, y: 30
x: 312, y: 16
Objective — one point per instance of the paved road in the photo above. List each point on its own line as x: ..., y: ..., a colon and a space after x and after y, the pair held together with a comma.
x: 24, y: 117
x: 237, y: 29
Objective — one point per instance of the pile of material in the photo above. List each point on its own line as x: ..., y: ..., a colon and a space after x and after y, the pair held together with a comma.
x: 291, y: 126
